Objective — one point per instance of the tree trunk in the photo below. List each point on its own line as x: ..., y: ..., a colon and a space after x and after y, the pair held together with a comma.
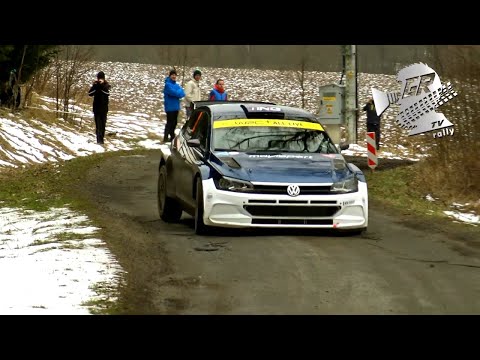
x: 16, y: 88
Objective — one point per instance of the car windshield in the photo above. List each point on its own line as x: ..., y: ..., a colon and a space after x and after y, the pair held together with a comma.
x: 264, y: 135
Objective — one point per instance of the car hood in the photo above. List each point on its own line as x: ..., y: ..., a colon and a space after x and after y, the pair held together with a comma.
x: 281, y: 167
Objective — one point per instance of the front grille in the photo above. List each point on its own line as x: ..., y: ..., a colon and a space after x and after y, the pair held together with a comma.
x: 292, y: 221
x: 292, y: 211
x: 293, y: 201
x: 262, y: 201
x: 282, y: 189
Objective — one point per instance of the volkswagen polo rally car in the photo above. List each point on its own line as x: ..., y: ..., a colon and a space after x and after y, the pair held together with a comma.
x: 254, y: 164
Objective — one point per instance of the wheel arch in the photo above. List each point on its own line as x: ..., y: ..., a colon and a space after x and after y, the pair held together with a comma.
x: 203, y: 173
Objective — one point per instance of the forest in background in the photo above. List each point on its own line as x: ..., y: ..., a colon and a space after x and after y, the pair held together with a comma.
x: 377, y: 59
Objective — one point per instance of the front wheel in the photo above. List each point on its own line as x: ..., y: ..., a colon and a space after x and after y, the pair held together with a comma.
x: 168, y: 208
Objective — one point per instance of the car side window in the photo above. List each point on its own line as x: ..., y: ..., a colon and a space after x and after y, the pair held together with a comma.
x: 199, y: 129
x: 187, y: 129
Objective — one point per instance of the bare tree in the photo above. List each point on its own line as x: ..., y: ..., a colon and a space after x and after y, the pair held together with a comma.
x: 167, y: 54
x: 301, y: 75
x: 58, y: 81
x: 16, y: 87
x: 74, y: 71
x: 70, y: 69
x: 184, y: 62
x: 43, y: 78
x: 32, y: 82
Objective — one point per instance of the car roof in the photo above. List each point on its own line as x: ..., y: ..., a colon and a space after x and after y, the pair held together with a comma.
x: 253, y: 109
x: 213, y: 102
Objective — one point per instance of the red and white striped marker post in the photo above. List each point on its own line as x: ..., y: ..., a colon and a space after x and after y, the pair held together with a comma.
x: 372, y: 150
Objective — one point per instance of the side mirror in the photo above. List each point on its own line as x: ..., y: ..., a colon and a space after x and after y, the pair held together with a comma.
x: 193, y: 143
x: 344, y: 146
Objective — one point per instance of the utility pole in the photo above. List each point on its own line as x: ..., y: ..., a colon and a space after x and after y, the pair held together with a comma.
x: 350, y: 107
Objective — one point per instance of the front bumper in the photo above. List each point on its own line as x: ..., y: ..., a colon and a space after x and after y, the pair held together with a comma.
x: 336, y: 211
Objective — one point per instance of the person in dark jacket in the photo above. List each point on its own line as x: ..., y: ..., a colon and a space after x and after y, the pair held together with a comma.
x: 218, y: 93
x: 100, y: 91
x: 373, y: 120
x: 14, y: 92
x: 172, y: 93
x: 13, y: 78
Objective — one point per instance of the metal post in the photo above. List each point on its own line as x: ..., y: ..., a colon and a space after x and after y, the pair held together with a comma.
x: 350, y: 52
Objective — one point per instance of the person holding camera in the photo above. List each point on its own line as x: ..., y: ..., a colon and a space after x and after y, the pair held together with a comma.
x: 373, y: 120
x: 100, y: 91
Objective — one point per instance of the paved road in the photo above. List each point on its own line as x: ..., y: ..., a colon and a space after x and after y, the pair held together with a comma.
x: 400, y: 266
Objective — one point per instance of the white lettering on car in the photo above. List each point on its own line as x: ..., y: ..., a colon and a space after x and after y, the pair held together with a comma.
x: 281, y: 156
x: 346, y: 202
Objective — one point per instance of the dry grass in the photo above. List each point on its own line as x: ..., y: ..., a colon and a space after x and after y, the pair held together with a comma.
x: 452, y: 172
x: 45, y: 116
x: 450, y: 182
x: 5, y: 145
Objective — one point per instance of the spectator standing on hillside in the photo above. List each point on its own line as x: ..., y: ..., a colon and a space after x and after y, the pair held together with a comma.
x: 218, y: 92
x: 192, y: 92
x: 172, y: 93
x: 13, y: 91
x: 100, y: 91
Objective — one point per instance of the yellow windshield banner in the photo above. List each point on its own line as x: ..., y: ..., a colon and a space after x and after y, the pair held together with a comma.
x: 267, y: 122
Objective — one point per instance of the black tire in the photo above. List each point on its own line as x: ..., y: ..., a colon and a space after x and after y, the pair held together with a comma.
x: 200, y: 227
x: 169, y: 209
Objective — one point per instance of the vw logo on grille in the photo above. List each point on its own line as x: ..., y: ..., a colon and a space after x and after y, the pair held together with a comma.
x: 293, y: 190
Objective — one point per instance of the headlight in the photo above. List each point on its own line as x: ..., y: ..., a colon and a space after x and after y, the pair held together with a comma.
x: 347, y: 186
x: 230, y: 184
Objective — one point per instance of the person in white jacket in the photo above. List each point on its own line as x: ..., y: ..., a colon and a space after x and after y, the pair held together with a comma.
x: 192, y: 92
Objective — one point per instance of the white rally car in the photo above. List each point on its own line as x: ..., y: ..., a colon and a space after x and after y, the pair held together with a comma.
x: 250, y: 164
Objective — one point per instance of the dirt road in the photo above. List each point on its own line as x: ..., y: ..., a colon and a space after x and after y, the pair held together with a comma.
x: 400, y: 266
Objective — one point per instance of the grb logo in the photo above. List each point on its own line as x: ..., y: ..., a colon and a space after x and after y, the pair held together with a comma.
x: 420, y: 95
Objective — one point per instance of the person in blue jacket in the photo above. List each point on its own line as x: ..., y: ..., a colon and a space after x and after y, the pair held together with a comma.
x: 172, y: 93
x: 218, y: 93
